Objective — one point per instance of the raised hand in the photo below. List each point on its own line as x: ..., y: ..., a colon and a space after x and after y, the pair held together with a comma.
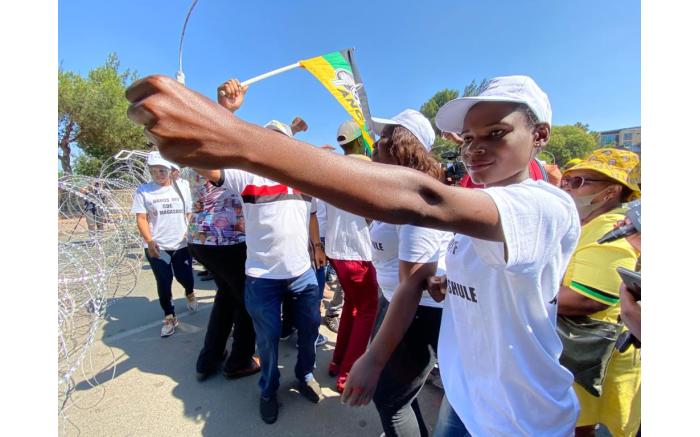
x: 298, y: 125
x: 230, y: 94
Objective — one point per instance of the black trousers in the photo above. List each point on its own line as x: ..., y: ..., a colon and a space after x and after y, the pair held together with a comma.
x: 227, y: 265
x: 180, y: 266
x: 396, y: 396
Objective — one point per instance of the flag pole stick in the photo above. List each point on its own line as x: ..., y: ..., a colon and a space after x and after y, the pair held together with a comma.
x: 266, y: 75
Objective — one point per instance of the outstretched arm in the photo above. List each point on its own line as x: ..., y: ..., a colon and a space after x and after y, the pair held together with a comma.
x: 191, y: 129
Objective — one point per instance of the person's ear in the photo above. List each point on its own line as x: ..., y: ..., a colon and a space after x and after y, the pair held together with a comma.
x: 542, y: 133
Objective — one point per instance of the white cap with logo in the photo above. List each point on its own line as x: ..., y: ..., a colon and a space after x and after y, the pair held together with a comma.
x: 154, y: 158
x: 348, y: 131
x: 279, y: 127
x: 515, y: 89
x: 412, y: 120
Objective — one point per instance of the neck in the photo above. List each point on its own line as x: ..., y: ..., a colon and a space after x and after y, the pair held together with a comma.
x: 515, y: 179
x: 604, y: 208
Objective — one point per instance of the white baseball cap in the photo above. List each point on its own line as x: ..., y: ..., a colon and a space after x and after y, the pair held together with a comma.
x: 279, y: 127
x: 348, y: 131
x: 515, y: 89
x: 412, y: 120
x: 154, y: 158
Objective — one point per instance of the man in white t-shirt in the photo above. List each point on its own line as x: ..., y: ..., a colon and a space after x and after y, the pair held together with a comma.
x: 277, y: 264
x: 161, y: 217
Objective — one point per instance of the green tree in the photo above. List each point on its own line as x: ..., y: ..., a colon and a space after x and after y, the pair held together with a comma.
x: 87, y: 165
x: 473, y: 89
x: 92, y: 113
x: 571, y: 141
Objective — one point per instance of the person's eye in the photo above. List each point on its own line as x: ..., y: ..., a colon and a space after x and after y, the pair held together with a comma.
x: 496, y: 133
x: 467, y: 139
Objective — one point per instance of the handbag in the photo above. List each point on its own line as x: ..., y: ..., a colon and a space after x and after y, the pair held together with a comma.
x: 588, y: 345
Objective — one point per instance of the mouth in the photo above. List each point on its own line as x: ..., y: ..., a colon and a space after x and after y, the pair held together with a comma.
x: 479, y: 165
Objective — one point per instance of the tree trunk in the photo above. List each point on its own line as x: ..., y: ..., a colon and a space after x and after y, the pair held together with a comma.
x: 64, y: 145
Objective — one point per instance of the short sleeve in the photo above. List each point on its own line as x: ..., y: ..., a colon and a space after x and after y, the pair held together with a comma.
x: 235, y: 180
x: 535, y: 222
x: 314, y: 205
x: 138, y: 205
x: 418, y: 245
x: 592, y: 271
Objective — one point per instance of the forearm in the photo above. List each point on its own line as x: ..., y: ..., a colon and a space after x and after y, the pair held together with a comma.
x: 398, y: 318
x: 314, y: 232
x: 389, y: 193
x: 571, y: 303
x: 142, y: 225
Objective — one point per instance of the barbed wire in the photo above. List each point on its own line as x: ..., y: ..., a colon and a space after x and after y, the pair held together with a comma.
x: 99, y: 259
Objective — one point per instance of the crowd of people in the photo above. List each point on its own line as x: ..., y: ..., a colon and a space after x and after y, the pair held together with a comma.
x: 497, y: 279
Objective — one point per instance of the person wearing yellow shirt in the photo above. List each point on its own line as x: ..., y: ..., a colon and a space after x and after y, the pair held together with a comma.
x: 599, y: 185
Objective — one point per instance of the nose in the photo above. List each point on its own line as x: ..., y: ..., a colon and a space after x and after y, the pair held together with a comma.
x: 473, y: 150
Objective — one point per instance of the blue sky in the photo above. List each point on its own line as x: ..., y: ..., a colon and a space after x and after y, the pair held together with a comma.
x: 584, y: 54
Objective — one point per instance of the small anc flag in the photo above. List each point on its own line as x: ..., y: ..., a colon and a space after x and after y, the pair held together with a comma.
x: 338, y: 73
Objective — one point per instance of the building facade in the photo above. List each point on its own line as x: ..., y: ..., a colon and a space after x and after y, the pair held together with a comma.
x: 628, y: 138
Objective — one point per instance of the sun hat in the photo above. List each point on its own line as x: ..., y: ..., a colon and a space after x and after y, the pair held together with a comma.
x: 619, y: 165
x: 154, y: 158
x: 572, y: 162
x: 349, y: 130
x: 279, y: 127
x: 412, y: 120
x: 515, y: 89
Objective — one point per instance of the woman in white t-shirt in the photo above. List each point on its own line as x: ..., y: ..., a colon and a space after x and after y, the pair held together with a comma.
x: 404, y: 257
x: 498, y: 348
x: 161, y: 216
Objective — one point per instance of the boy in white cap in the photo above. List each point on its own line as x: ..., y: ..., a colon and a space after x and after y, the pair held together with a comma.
x: 499, y: 349
x: 161, y: 217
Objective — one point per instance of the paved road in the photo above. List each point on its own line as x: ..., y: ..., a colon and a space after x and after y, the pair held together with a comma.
x: 152, y: 390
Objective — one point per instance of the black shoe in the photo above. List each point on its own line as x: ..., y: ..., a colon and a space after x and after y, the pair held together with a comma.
x: 207, y: 278
x: 333, y: 323
x: 311, y: 391
x: 269, y: 409
x: 202, y: 375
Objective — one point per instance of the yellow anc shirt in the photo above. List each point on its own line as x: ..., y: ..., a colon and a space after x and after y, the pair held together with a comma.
x: 592, y: 270
x: 592, y: 273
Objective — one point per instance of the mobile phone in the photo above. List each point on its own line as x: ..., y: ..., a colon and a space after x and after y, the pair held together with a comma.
x: 165, y: 256
x: 632, y: 280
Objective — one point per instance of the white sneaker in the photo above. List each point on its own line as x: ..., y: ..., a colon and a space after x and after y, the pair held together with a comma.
x: 192, y: 302
x: 169, y: 325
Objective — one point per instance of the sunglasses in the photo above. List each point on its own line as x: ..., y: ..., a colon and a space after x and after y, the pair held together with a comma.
x: 577, y: 182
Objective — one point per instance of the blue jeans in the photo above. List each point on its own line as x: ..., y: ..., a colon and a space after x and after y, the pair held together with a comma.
x: 448, y: 423
x: 263, y: 298
x: 321, y: 280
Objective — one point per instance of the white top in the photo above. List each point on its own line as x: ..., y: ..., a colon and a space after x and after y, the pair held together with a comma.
x: 276, y: 225
x: 394, y: 243
x: 347, y: 236
x: 321, y: 217
x: 499, y: 350
x: 166, y: 219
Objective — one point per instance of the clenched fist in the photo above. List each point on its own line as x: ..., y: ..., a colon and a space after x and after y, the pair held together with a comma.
x: 187, y: 127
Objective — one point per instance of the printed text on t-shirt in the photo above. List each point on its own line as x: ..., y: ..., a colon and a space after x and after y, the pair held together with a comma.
x: 468, y: 293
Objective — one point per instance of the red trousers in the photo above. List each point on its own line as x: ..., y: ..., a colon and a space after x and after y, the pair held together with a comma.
x: 359, y: 282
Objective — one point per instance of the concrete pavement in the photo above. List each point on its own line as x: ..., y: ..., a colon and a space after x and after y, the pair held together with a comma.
x: 147, y: 384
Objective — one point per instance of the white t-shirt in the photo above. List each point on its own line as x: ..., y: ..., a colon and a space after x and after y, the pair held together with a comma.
x: 166, y: 219
x: 499, y: 350
x: 276, y: 225
x: 347, y: 236
x: 394, y: 243
x: 321, y: 217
